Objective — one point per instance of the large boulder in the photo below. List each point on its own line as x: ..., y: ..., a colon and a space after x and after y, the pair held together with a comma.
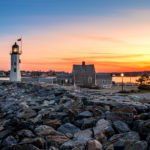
x: 103, y: 126
x: 26, y: 114
x: 94, y: 145
x: 58, y: 115
x: 142, y: 116
x: 101, y: 137
x: 121, y: 127
x: 142, y: 126
x: 79, y: 141
x: 86, y: 122
x: 110, y: 147
x: 119, y: 141
x: 148, y: 138
x: 44, y: 130
x: 4, y: 133
x: 68, y: 128
x: 25, y: 133
x: 38, y: 142
x: 56, y: 139
x: 22, y: 147
x: 118, y: 115
x: 16, y: 124
x: 125, y: 110
x: 9, y: 141
x: 55, y: 123
x: 139, y: 145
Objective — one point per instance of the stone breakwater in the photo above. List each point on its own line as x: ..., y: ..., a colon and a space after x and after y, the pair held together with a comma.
x: 44, y: 117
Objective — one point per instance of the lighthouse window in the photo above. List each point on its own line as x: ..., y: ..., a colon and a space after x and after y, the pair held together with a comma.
x: 14, y: 69
x: 15, y: 63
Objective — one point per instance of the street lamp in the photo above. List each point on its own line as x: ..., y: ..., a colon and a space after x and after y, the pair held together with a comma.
x: 122, y: 75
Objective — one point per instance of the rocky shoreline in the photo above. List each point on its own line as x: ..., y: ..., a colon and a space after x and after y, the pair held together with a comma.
x: 45, y: 117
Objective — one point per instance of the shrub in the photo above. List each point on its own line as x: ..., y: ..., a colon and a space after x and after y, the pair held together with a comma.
x: 144, y: 87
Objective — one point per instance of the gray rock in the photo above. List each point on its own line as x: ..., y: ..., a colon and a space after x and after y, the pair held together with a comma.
x: 121, y: 127
x: 86, y: 123
x: 142, y: 116
x: 22, y: 147
x: 53, y: 123
x: 110, y: 147
x: 119, y: 141
x: 56, y: 139
x: 148, y: 138
x: 80, y: 139
x: 44, y: 130
x: 53, y: 148
x: 85, y: 114
x: 68, y: 128
x: 52, y: 102
x: 25, y: 133
x: 58, y: 115
x: 100, y: 137
x: 38, y: 142
x: 123, y: 116
x: 139, y: 145
x: 142, y: 126
x: 9, y: 141
x: 36, y: 119
x: 67, y: 104
x: 29, y: 113
x: 103, y: 126
x: 4, y: 133
x: 94, y: 145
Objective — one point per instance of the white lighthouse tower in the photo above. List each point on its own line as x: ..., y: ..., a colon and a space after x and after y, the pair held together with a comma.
x: 15, y: 74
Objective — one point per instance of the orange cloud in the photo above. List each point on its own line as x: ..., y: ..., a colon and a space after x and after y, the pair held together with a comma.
x: 112, y: 43
x: 100, y: 57
x: 96, y: 38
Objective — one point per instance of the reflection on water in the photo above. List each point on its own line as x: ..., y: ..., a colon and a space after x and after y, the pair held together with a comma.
x: 4, y: 78
x: 125, y: 79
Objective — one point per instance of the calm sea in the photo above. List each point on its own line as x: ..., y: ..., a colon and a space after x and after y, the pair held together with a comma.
x: 125, y: 79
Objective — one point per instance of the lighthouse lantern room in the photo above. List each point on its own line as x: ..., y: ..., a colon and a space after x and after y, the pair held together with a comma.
x: 15, y: 74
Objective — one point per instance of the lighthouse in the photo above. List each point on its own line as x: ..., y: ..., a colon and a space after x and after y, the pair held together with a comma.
x: 15, y: 74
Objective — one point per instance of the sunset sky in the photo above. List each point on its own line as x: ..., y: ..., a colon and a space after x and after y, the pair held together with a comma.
x: 112, y: 34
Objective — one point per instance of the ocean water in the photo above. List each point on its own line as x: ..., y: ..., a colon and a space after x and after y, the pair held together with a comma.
x: 125, y: 79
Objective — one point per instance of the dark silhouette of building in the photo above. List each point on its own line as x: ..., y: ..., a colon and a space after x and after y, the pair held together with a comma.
x: 84, y: 75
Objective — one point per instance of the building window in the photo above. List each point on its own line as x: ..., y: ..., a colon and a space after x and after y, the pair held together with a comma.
x: 66, y: 80
x: 14, y: 69
x: 89, y: 79
x: 15, y: 63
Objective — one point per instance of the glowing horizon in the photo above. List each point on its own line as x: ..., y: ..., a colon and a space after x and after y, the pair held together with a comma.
x: 116, y: 42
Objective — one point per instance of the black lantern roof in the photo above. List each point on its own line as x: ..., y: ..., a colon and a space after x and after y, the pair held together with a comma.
x: 15, y: 46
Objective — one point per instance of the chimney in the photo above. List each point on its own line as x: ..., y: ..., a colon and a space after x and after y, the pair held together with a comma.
x: 83, y: 63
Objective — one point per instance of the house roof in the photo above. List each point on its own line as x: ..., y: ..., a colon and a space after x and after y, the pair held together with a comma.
x: 83, y: 68
x: 64, y: 75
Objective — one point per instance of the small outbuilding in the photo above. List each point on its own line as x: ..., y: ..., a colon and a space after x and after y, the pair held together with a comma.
x: 64, y: 79
x: 104, y: 80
